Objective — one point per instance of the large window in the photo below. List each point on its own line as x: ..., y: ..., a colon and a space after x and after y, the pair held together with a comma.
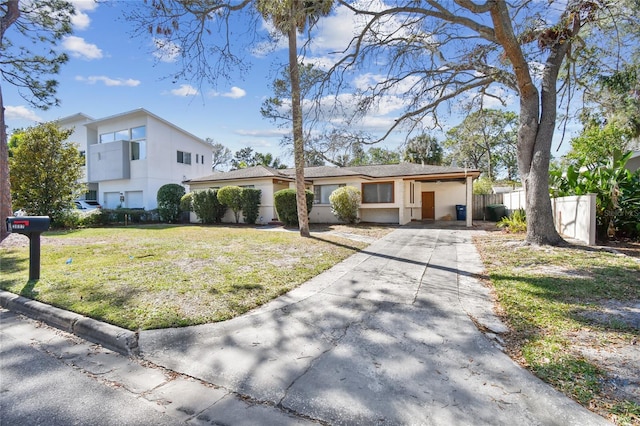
x: 377, y: 192
x: 321, y: 193
x: 120, y: 135
x: 139, y: 150
x: 139, y: 143
x: 138, y: 133
x: 184, y: 157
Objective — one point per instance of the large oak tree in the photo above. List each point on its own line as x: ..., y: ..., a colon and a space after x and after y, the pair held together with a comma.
x: 435, y: 51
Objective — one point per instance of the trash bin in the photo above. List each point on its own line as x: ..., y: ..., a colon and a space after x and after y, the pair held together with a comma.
x: 495, y: 212
x: 461, y: 212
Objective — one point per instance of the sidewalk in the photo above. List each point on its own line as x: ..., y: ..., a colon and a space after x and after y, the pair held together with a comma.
x: 384, y: 337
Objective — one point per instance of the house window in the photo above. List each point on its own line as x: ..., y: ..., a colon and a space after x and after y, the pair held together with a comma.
x: 107, y: 137
x: 412, y: 195
x: 83, y: 157
x: 138, y: 133
x: 184, y: 157
x: 321, y: 193
x: 120, y: 135
x: 138, y: 150
x: 377, y: 192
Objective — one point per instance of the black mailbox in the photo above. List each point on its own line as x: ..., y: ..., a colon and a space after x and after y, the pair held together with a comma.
x: 32, y: 227
x: 28, y: 224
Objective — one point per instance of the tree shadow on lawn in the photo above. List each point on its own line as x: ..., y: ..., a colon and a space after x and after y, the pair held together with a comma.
x: 11, y: 262
x: 586, y: 292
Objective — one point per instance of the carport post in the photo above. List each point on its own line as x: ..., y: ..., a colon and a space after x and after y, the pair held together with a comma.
x: 469, y: 201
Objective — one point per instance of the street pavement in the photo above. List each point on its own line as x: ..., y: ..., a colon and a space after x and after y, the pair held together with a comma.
x: 50, y: 377
x: 387, y: 337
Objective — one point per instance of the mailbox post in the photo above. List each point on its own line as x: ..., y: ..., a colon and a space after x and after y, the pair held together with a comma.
x: 32, y: 227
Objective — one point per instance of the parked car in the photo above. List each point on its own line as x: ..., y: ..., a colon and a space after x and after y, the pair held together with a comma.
x: 87, y: 205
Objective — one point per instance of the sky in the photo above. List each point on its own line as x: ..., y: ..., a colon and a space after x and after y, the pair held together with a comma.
x: 110, y: 72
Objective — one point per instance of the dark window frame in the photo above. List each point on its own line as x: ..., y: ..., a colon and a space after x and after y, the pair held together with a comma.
x: 393, y: 192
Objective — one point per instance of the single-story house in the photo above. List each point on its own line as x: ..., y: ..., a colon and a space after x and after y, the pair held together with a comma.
x: 392, y: 193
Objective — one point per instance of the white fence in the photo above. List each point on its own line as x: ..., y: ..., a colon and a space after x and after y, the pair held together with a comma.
x: 573, y: 217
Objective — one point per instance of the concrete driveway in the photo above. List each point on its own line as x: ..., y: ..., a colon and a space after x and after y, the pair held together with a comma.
x: 384, y: 337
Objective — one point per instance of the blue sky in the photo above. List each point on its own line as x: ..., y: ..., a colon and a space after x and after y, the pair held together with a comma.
x: 110, y: 72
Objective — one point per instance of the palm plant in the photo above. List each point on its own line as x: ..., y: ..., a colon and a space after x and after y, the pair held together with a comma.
x: 290, y: 17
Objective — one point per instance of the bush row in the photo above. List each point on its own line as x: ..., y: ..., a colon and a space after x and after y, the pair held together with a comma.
x: 72, y: 219
x: 211, y: 205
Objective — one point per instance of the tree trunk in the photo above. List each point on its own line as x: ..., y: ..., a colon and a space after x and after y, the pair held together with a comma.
x: 5, y: 187
x: 534, y: 152
x: 12, y: 14
x: 537, y: 123
x: 298, y: 138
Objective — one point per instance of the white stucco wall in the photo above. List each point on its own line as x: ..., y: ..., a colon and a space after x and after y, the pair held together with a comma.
x: 159, y: 167
x: 369, y: 212
x: 79, y: 136
x: 447, y: 196
x: 575, y: 217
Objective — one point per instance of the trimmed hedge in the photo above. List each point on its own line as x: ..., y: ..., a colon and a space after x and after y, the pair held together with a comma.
x: 231, y: 196
x: 169, y: 197
x: 251, y: 204
x: 117, y: 216
x: 286, y: 207
x: 186, y: 202
x: 207, y: 206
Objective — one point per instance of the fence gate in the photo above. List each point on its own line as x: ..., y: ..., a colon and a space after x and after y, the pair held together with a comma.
x: 480, y: 203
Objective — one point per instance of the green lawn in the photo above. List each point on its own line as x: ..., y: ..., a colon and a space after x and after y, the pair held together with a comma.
x: 163, y: 276
x: 566, y: 309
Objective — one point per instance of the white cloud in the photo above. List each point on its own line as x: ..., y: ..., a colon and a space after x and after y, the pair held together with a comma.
x: 184, y: 90
x: 81, y: 20
x: 93, y: 79
x: 20, y: 113
x: 334, y: 32
x: 79, y: 48
x: 233, y: 93
x: 166, y: 50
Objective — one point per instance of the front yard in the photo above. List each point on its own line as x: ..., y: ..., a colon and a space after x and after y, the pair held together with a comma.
x: 164, y: 276
x: 574, y: 314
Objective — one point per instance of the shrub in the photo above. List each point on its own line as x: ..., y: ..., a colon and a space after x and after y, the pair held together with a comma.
x: 251, y: 204
x: 186, y: 202
x: 515, y: 223
x: 345, y: 203
x: 231, y: 196
x: 73, y: 219
x: 124, y: 216
x: 207, y: 206
x: 169, y: 197
x: 286, y: 208
x: 67, y: 219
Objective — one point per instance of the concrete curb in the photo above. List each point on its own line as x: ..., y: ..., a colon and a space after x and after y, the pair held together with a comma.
x: 110, y: 336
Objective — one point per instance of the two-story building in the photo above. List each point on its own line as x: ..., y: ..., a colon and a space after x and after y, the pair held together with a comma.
x: 129, y: 156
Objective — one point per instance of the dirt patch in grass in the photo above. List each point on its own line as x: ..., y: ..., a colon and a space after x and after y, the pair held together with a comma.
x: 574, y: 314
